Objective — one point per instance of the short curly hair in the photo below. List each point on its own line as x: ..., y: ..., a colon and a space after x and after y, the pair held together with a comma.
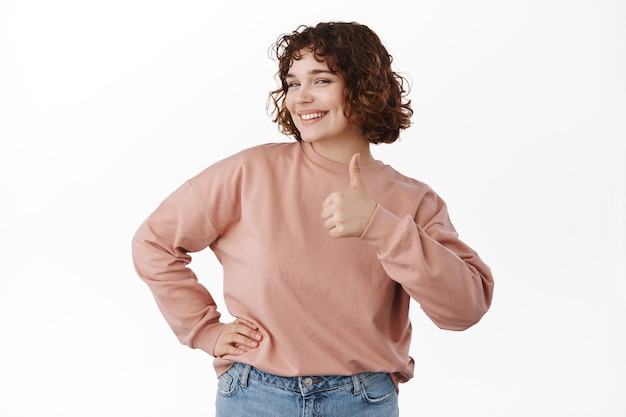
x: 375, y: 95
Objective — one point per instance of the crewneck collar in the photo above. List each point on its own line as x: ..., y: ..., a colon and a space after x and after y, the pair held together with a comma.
x: 318, y: 159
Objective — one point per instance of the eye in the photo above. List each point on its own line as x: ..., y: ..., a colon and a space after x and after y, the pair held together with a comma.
x: 293, y: 84
x: 322, y: 81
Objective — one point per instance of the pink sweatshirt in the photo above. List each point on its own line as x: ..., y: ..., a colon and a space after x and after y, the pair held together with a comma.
x: 325, y: 306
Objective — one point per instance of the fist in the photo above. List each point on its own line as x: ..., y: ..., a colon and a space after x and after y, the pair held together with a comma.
x: 346, y: 213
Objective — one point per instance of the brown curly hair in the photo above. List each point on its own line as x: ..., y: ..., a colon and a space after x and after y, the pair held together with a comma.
x: 375, y: 95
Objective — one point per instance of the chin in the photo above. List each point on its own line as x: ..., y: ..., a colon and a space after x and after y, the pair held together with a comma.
x: 311, y: 138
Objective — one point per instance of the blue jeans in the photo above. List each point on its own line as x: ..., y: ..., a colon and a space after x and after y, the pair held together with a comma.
x: 244, y: 391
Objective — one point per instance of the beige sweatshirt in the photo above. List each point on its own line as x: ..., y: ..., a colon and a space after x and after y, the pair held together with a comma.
x: 325, y: 306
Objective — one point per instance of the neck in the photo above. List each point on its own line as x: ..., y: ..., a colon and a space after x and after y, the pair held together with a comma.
x: 343, y: 153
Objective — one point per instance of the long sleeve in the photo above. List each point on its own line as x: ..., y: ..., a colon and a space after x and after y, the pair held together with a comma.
x: 259, y: 213
x: 161, y: 248
x: 424, y: 254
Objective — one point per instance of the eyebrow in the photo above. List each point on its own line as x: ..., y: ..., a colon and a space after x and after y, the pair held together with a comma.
x: 313, y: 72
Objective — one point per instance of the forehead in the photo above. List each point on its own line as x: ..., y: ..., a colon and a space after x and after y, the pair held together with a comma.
x: 307, y: 62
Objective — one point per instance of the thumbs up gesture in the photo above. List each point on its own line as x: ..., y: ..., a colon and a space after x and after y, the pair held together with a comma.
x: 347, y: 213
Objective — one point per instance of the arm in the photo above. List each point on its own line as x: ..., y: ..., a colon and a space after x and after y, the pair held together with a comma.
x: 446, y: 277
x: 160, y: 250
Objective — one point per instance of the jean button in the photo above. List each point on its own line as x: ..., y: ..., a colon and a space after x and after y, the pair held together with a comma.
x: 308, y: 382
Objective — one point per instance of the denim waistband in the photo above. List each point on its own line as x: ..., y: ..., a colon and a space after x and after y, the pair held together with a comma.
x: 304, y: 384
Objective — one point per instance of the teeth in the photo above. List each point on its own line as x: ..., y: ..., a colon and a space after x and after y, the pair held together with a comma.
x: 312, y: 116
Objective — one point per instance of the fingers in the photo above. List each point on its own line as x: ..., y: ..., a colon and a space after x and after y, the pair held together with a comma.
x: 249, y: 330
x: 246, y: 323
x: 327, y: 208
x: 237, y: 338
x: 356, y: 182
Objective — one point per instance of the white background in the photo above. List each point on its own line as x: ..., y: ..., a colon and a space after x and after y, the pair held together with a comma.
x: 106, y: 107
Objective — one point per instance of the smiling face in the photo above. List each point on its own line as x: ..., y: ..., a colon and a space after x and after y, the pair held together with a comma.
x: 315, y: 100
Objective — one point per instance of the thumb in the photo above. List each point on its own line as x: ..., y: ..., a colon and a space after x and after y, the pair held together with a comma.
x: 356, y: 182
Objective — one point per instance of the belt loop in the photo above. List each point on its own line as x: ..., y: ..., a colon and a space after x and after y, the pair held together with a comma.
x: 245, y: 372
x: 357, y: 384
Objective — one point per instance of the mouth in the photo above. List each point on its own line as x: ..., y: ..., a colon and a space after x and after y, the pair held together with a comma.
x: 312, y: 116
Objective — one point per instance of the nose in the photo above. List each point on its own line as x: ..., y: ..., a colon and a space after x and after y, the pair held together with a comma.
x: 304, y: 95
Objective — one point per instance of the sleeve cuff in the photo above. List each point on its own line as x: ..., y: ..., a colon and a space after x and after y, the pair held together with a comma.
x: 206, y: 341
x: 382, y: 228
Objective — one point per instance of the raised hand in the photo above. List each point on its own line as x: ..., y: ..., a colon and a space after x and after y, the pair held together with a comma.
x: 237, y: 338
x: 347, y: 213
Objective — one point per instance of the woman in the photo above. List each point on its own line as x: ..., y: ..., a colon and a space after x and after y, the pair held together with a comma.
x: 322, y: 246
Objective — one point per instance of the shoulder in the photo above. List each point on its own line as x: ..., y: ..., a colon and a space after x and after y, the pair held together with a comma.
x: 268, y: 149
x: 260, y: 154
x: 255, y: 155
x: 248, y: 160
x: 400, y: 190
x: 395, y: 178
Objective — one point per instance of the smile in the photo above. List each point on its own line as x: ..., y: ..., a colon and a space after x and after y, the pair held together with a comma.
x: 311, y: 116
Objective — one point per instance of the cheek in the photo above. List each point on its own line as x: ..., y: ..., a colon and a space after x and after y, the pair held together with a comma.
x: 288, y: 102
